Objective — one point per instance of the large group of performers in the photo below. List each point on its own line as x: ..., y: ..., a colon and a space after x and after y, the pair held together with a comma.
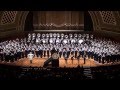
x: 68, y: 46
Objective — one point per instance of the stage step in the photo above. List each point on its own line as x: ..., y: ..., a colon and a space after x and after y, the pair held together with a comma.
x: 87, y: 72
x: 24, y: 70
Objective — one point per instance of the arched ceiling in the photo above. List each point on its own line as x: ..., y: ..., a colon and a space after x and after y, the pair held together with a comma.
x: 102, y: 20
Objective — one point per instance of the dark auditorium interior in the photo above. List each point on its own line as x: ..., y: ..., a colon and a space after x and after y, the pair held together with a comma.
x: 59, y: 45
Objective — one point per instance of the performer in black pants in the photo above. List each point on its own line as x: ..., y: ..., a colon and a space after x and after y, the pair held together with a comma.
x: 15, y: 55
x: 99, y: 57
x: 76, y: 52
x: 1, y: 55
x: 84, y: 56
x: 89, y: 53
x: 103, y: 58
x: 65, y: 56
x: 108, y: 57
x: 18, y: 53
x: 72, y: 53
x: 37, y: 52
x: 80, y: 51
x: 48, y: 52
x: 60, y: 52
x: 26, y: 52
x: 44, y: 51
x: 64, y: 51
x: 53, y: 51
x: 12, y: 56
x: 40, y: 52
x: 7, y: 57
x: 22, y: 53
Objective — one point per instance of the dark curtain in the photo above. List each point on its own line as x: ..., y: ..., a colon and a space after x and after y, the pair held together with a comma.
x: 29, y: 22
x: 88, y: 24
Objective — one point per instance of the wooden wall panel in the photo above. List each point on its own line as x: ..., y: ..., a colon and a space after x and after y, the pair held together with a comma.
x: 50, y: 20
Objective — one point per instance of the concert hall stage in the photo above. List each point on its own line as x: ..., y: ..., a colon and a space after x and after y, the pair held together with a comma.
x: 38, y: 62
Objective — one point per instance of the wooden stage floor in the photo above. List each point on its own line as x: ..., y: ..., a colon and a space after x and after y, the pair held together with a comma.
x: 38, y: 62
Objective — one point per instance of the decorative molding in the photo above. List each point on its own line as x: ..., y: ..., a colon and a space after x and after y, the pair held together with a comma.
x: 58, y: 30
x: 8, y: 17
x: 108, y: 17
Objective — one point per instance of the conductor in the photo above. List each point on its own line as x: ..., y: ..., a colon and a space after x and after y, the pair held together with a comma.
x: 54, y: 59
x: 53, y: 51
x: 30, y: 57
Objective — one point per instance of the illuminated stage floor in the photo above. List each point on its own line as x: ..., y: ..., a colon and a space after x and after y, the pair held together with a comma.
x: 38, y: 62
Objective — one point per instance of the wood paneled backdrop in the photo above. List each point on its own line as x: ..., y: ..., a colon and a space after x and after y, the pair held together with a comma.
x: 58, y: 20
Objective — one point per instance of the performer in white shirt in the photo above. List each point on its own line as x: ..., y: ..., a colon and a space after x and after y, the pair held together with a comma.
x: 30, y: 56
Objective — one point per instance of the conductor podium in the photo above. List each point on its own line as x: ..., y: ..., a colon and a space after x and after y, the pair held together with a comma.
x: 54, y: 60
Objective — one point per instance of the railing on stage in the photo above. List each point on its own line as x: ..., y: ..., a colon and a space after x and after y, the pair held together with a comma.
x: 58, y: 30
